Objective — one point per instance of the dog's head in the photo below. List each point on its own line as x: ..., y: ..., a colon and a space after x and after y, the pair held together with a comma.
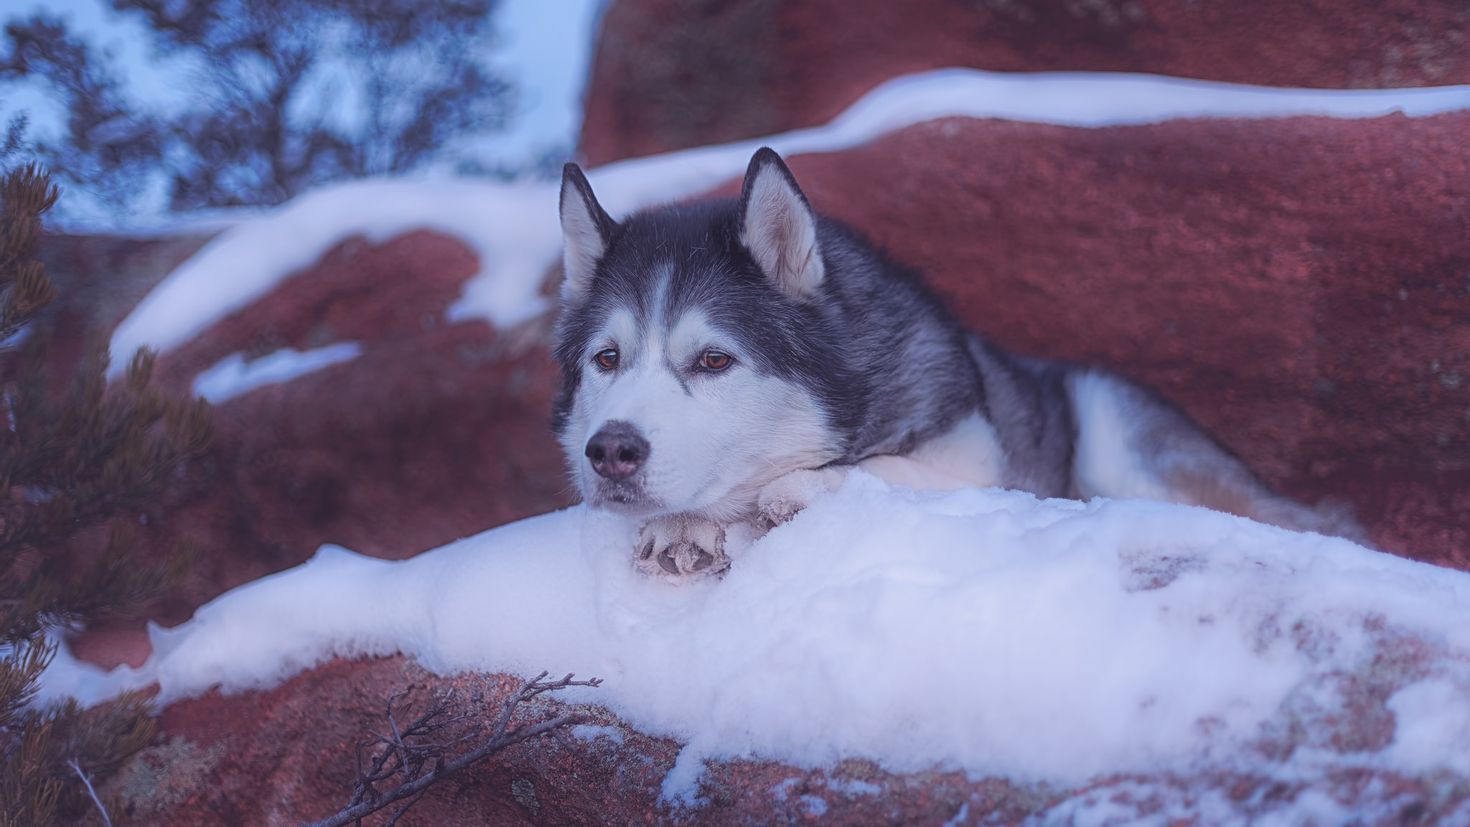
x: 694, y: 347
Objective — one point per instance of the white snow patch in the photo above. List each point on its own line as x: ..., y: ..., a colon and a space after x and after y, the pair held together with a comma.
x: 17, y: 337
x: 233, y: 375
x: 591, y: 732
x: 814, y: 806
x: 1149, y: 804
x: 680, y: 786
x: 852, y: 787
x: 513, y: 227
x: 67, y: 677
x: 1433, y: 721
x: 982, y: 630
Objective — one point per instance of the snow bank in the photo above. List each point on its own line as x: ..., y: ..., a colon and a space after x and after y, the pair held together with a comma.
x: 979, y: 629
x: 233, y: 375
x: 513, y: 227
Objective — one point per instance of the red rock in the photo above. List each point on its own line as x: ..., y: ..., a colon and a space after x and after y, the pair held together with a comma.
x: 288, y: 755
x: 669, y: 74
x: 435, y: 432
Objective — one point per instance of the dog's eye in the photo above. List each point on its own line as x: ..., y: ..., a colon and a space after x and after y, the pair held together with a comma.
x: 715, y: 361
x: 607, y: 359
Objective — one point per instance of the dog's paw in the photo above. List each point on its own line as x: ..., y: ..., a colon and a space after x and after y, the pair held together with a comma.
x: 681, y: 548
x: 785, y: 496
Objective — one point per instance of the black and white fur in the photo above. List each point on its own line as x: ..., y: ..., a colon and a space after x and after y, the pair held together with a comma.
x: 833, y: 357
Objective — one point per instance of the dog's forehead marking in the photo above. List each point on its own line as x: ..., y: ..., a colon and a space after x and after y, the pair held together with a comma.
x: 663, y: 276
x: 619, y: 330
x: 659, y: 320
x: 691, y: 332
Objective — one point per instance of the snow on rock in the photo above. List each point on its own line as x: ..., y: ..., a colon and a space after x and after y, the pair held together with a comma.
x: 512, y: 227
x: 250, y: 259
x: 980, y: 630
x: 235, y: 375
x: 670, y: 74
x: 433, y: 432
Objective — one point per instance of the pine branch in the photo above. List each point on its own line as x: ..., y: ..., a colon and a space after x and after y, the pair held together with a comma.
x: 69, y: 459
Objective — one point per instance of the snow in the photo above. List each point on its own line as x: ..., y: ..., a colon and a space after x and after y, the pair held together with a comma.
x: 1434, y: 719
x: 233, y: 375
x: 1145, y: 804
x: 851, y: 787
x: 812, y: 806
x: 513, y: 227
x: 980, y: 630
x: 590, y: 732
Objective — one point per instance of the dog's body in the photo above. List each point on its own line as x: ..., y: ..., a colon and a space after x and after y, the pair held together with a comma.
x: 724, y: 362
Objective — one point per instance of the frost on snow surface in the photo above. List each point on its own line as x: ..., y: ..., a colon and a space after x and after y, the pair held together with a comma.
x: 982, y: 630
x: 513, y: 227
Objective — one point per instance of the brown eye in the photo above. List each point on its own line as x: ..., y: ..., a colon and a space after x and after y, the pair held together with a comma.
x: 607, y: 359
x: 714, y: 360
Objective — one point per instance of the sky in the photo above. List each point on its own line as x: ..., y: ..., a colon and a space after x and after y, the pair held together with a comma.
x: 544, y: 47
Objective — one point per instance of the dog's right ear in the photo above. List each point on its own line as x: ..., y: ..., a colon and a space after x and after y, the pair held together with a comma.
x: 778, y: 227
x: 586, y: 230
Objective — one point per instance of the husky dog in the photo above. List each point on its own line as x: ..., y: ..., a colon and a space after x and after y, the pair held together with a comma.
x: 727, y: 361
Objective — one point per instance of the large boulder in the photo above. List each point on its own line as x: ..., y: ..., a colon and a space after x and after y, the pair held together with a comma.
x: 670, y: 74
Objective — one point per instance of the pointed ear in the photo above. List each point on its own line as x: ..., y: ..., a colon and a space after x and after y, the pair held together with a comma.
x: 778, y: 227
x: 586, y: 230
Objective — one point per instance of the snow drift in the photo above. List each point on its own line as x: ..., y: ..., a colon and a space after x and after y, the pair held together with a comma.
x: 982, y: 630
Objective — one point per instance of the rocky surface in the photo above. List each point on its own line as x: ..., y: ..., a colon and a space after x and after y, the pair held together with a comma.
x: 288, y: 755
x: 670, y: 74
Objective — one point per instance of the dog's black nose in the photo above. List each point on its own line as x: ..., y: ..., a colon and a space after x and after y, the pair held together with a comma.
x: 617, y: 451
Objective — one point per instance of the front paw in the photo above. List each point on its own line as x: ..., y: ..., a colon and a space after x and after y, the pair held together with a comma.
x: 785, y: 496
x: 681, y: 548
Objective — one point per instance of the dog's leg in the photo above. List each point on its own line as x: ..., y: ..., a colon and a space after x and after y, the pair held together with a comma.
x: 681, y: 547
x: 1133, y: 444
x: 785, y: 496
x: 968, y: 455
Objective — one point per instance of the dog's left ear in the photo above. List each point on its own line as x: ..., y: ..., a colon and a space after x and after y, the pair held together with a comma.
x: 778, y: 227
x: 586, y: 230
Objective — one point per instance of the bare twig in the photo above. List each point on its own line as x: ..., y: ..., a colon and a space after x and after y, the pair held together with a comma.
x: 77, y: 768
x: 410, y: 754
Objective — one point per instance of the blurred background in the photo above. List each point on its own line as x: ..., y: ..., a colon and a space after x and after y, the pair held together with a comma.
x: 151, y: 110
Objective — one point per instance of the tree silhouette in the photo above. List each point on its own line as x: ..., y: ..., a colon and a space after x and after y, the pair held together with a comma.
x: 283, y: 95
